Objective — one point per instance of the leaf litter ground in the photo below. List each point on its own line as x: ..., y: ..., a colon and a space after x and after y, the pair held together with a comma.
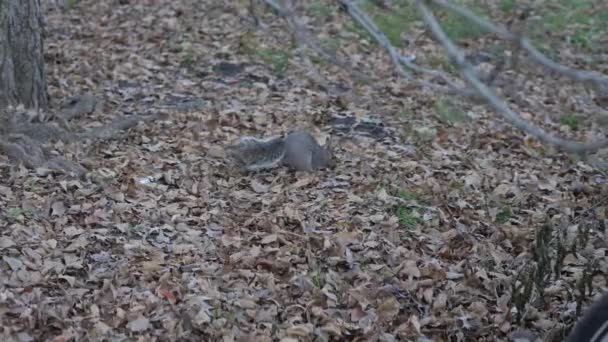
x: 163, y: 240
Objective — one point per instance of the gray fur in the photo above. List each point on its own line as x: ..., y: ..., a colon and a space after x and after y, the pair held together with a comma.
x: 298, y: 150
x: 303, y: 152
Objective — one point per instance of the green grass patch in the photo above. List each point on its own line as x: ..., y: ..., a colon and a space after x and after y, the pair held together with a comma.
x: 504, y: 215
x: 320, y: 10
x: 277, y: 59
x: 448, y: 112
x: 459, y: 28
x: 571, y: 120
x: 407, y: 218
x: 15, y: 212
x: 581, y: 25
x: 392, y: 23
x: 402, y: 16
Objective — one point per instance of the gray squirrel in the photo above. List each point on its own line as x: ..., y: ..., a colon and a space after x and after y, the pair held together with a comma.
x: 297, y: 150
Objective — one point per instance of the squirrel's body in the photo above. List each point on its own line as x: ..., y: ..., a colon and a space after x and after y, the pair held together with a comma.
x: 298, y: 150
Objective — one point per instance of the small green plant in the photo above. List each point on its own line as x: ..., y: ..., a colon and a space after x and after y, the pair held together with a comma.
x: 506, y: 5
x: 442, y: 62
x: 581, y: 38
x: 187, y: 58
x: 218, y: 313
x: 32, y: 187
x: 407, y: 195
x: 407, y: 218
x: 186, y: 53
x: 571, y: 120
x: 504, y: 215
x: 278, y: 59
x: 15, y: 212
x: 535, y: 276
x: 392, y: 25
x: 460, y: 29
x: 317, y: 280
x: 360, y: 32
x: 447, y: 112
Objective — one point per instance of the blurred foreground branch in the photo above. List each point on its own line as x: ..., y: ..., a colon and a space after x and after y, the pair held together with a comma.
x: 466, y: 70
x: 472, y: 85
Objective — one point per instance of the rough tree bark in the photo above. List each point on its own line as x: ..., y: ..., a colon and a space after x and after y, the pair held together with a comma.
x: 22, y: 77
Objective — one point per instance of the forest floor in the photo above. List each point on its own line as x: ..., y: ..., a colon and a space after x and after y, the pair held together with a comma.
x: 439, y: 220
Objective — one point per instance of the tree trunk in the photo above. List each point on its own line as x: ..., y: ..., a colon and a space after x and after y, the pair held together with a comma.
x: 22, y: 78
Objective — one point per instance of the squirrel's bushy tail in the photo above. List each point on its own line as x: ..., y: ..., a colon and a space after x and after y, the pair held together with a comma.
x: 255, y: 154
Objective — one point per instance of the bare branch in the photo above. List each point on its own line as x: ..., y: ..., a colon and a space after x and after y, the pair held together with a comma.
x: 305, y: 39
x: 362, y: 19
x: 597, y: 79
x: 400, y: 61
x: 500, y: 106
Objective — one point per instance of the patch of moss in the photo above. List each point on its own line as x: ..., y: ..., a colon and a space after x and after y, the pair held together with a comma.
x: 459, y: 28
x: 320, y: 10
x: 577, y: 19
